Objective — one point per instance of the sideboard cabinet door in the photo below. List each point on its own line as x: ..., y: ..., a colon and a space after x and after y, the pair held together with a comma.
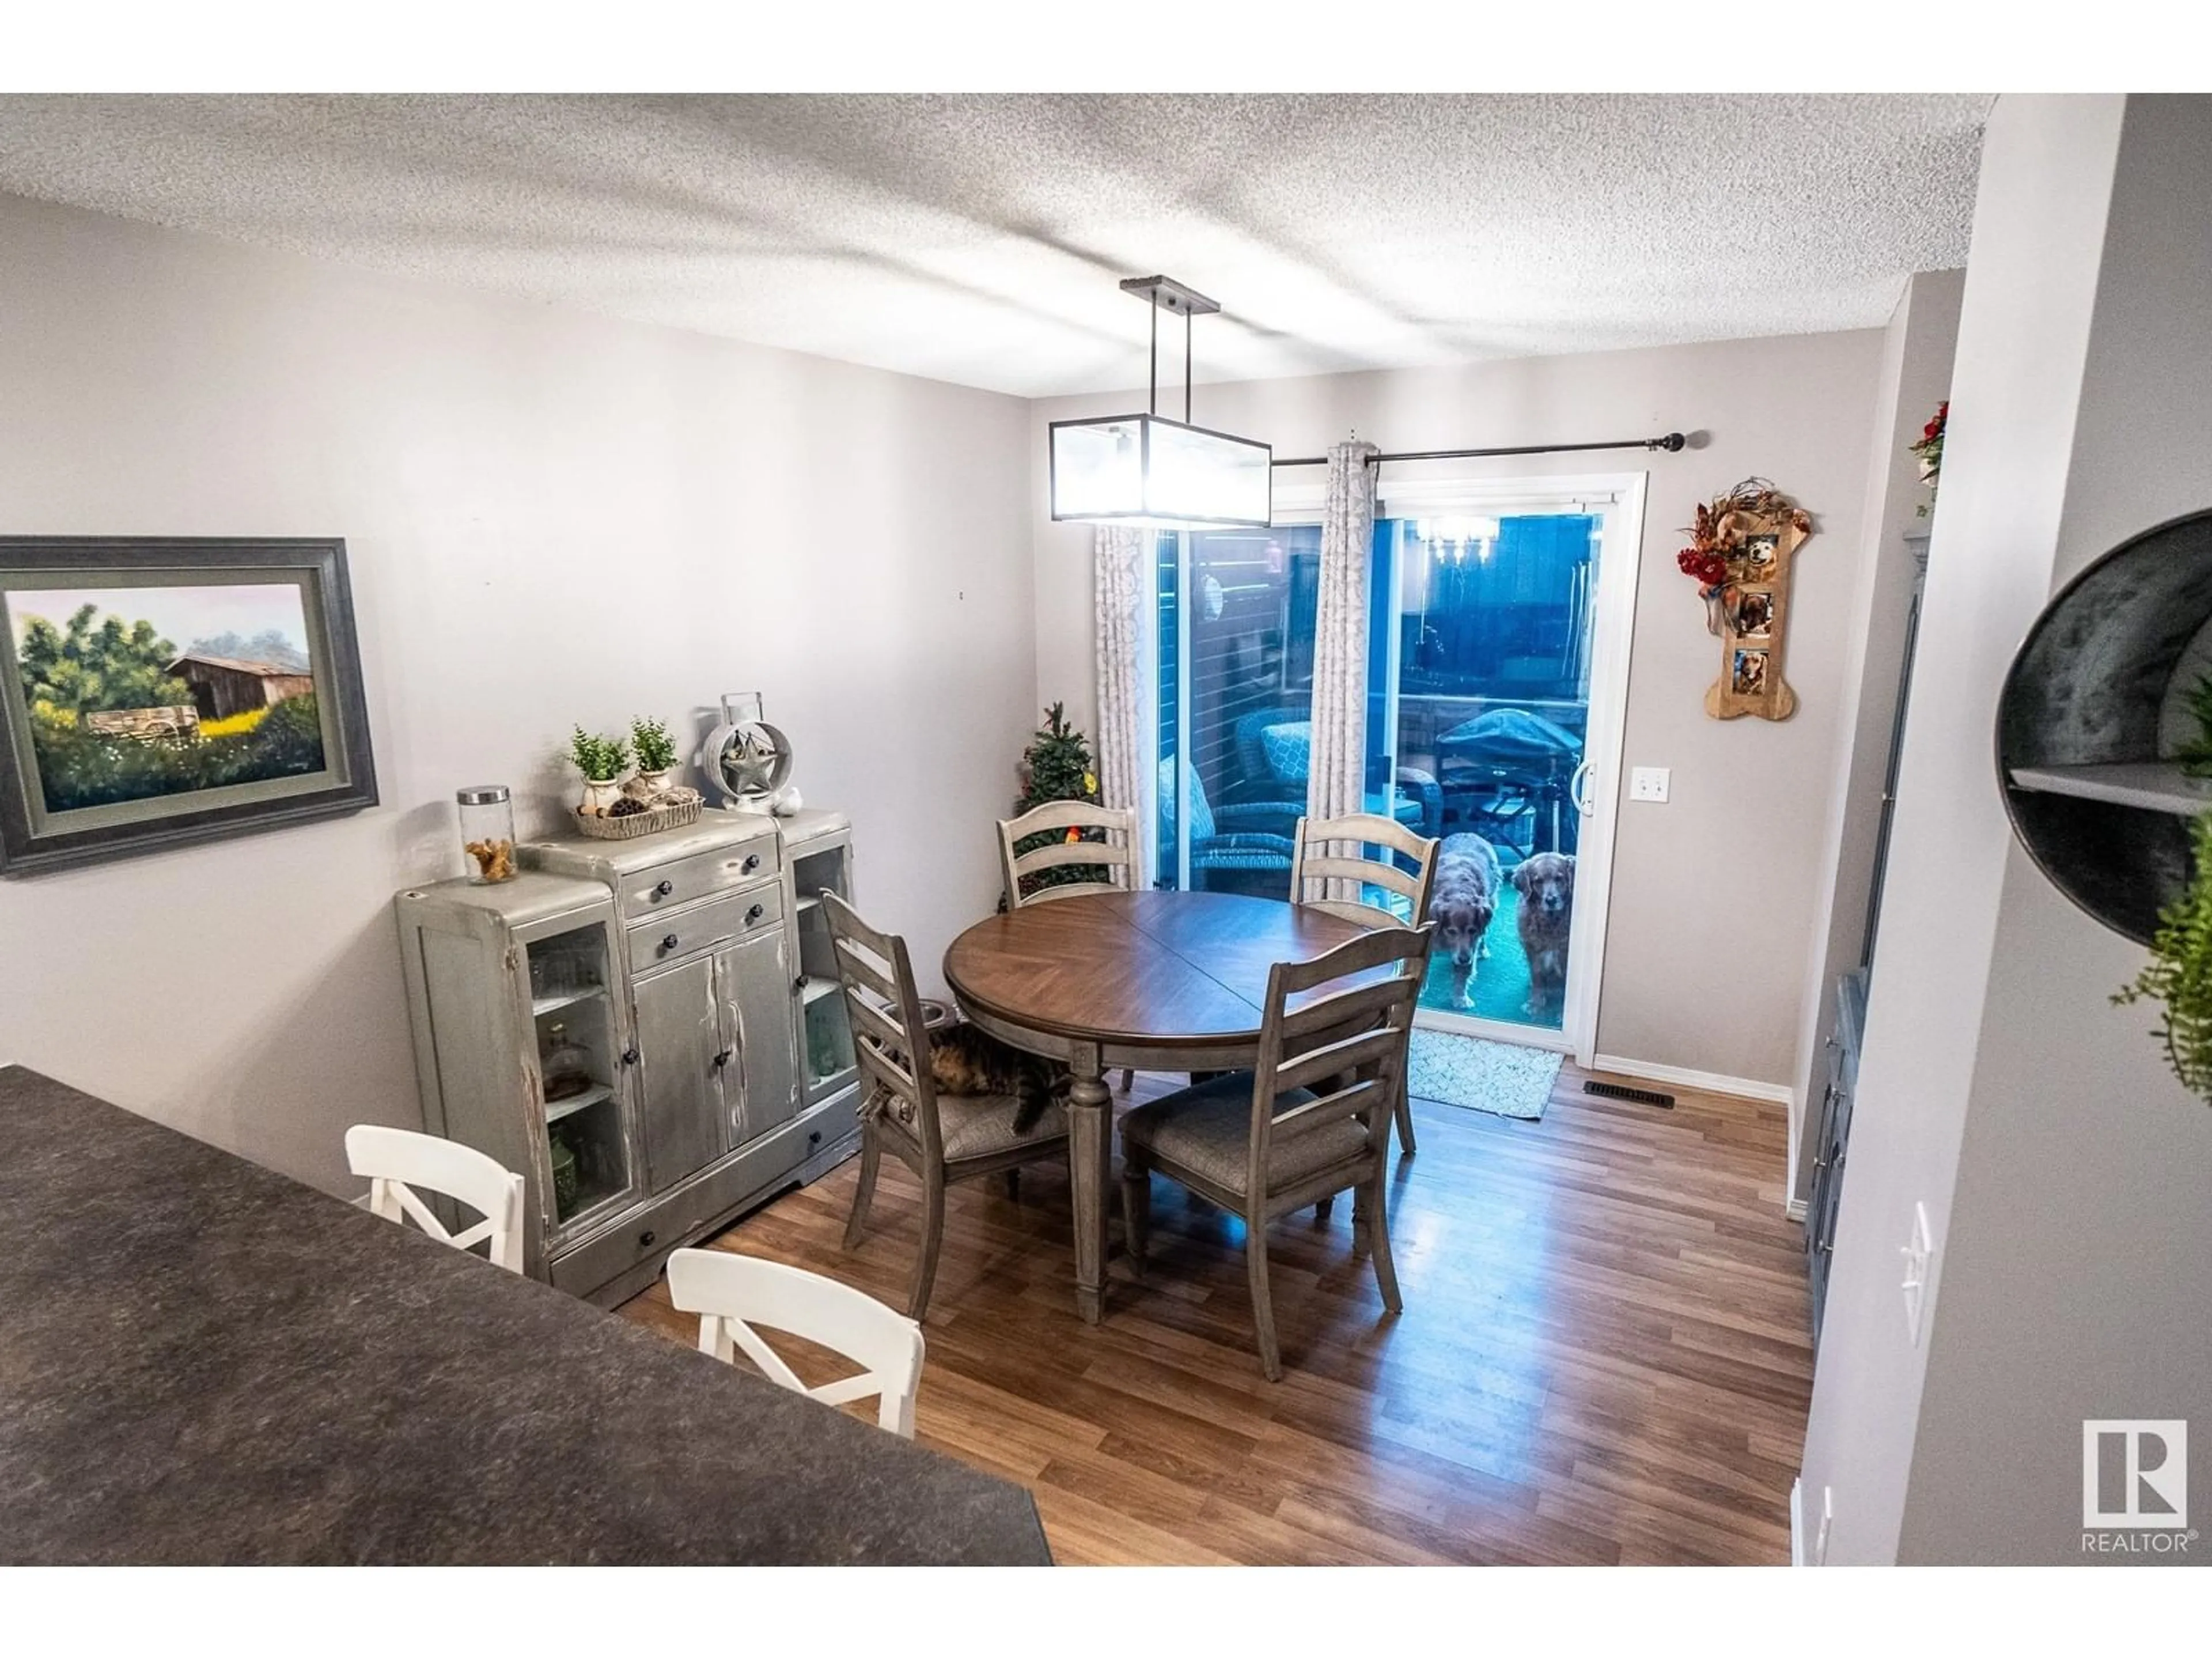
x: 680, y: 1045
x: 753, y: 980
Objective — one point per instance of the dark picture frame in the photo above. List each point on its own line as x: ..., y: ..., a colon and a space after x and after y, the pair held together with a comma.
x: 328, y: 771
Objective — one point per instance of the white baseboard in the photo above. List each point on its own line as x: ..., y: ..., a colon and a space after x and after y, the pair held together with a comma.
x: 1797, y: 1523
x: 1749, y: 1089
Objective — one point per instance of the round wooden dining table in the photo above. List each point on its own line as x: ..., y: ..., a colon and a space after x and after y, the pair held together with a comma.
x: 1155, y: 980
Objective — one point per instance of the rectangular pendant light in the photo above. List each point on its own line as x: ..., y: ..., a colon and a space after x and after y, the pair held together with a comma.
x: 1148, y: 470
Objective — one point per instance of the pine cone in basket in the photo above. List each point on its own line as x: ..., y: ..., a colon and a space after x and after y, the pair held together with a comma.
x: 627, y: 807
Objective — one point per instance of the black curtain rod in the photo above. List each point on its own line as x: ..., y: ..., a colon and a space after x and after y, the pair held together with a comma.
x: 1671, y: 443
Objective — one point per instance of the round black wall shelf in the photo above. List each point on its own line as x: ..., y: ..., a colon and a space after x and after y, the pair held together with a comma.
x: 2093, y: 797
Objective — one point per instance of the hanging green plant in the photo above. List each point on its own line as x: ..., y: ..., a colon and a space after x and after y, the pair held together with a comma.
x: 2179, y: 976
x: 2195, y: 755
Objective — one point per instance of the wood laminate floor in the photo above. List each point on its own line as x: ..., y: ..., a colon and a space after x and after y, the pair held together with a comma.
x: 1604, y: 1355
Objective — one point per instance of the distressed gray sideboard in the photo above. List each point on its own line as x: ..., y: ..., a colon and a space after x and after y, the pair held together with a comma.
x: 682, y: 966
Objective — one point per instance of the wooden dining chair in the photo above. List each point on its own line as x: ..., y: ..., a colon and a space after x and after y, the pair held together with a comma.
x: 1116, y: 856
x: 1310, y: 1121
x: 732, y: 1293
x: 1058, y: 816
x: 942, y: 1138
x: 396, y: 1162
x: 1317, y: 860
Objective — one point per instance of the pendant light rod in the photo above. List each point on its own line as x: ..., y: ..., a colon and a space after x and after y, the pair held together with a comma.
x: 1672, y: 442
x: 1152, y: 402
x: 1185, y: 366
x: 1165, y: 294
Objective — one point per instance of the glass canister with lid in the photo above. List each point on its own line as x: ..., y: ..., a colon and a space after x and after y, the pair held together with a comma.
x: 487, y: 832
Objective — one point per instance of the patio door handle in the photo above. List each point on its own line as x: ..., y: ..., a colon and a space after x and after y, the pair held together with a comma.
x: 1585, y: 800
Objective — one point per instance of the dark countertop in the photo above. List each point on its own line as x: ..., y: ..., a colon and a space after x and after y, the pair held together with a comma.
x: 203, y: 1361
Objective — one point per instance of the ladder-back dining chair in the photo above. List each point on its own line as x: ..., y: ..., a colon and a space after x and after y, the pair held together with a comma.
x: 1116, y: 856
x: 1057, y: 817
x: 942, y: 1138
x: 734, y: 1293
x: 1335, y: 850
x: 1310, y: 1121
x: 396, y: 1161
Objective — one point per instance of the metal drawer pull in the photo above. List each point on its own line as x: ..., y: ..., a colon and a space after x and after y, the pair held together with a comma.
x: 751, y: 863
x: 664, y: 890
x: 671, y: 942
x: 755, y: 913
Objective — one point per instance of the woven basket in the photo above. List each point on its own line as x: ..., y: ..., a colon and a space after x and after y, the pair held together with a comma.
x: 634, y: 824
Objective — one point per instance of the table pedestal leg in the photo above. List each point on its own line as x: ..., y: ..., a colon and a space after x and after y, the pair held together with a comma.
x: 1090, y: 1157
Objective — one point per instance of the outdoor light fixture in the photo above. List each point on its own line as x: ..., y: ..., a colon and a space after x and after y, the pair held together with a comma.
x: 1148, y: 470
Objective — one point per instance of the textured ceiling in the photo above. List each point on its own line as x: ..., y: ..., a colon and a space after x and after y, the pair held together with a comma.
x: 979, y: 239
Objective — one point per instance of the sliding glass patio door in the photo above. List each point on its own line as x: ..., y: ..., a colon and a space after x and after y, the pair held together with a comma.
x: 1496, y: 670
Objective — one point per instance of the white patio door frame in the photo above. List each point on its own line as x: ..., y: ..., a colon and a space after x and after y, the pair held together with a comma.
x: 1616, y: 500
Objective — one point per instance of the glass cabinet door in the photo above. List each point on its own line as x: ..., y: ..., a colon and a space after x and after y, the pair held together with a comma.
x: 825, y: 1044
x: 581, y: 1042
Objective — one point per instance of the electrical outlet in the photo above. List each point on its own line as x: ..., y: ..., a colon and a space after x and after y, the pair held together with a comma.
x: 1915, y: 1252
x: 1647, y: 783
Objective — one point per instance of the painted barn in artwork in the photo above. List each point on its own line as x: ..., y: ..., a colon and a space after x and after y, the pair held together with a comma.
x: 223, y: 686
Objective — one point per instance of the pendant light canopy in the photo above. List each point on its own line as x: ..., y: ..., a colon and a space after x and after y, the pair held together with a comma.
x: 1148, y: 470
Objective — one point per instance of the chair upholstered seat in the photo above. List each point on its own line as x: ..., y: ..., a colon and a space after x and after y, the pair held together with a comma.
x: 1207, y: 1130
x: 941, y: 1138
x: 977, y: 1126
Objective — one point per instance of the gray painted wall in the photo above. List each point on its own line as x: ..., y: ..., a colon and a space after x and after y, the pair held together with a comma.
x: 1796, y: 409
x: 551, y: 518
x: 2080, y: 1281
x: 2062, y: 1170
x: 1916, y: 377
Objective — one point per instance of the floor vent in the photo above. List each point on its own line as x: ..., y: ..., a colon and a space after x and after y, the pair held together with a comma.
x: 1622, y: 1092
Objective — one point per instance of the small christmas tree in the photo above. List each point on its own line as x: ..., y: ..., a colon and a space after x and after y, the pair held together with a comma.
x: 1057, y: 766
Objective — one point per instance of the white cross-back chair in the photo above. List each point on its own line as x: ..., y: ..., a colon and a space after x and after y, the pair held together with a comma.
x: 398, y: 1161
x: 732, y: 1293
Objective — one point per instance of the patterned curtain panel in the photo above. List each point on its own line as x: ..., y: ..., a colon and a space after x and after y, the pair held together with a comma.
x: 1336, y: 775
x: 1116, y: 585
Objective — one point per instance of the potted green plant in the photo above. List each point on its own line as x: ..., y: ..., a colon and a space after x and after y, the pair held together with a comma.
x: 602, y: 760
x: 655, y: 751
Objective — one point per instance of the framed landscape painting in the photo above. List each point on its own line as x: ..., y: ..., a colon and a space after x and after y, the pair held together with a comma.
x: 160, y: 692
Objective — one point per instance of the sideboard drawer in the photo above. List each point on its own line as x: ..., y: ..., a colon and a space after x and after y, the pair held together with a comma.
x: 684, y: 881
x: 682, y: 933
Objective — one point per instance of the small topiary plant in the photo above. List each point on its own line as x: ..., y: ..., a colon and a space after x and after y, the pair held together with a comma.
x: 600, y: 759
x: 2179, y: 973
x: 655, y: 749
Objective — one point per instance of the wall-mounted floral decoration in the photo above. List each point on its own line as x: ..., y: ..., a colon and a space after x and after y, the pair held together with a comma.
x: 1738, y: 555
x: 1929, y: 451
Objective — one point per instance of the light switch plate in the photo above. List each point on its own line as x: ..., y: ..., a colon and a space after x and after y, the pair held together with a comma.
x: 1647, y: 783
x: 1916, y: 1251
